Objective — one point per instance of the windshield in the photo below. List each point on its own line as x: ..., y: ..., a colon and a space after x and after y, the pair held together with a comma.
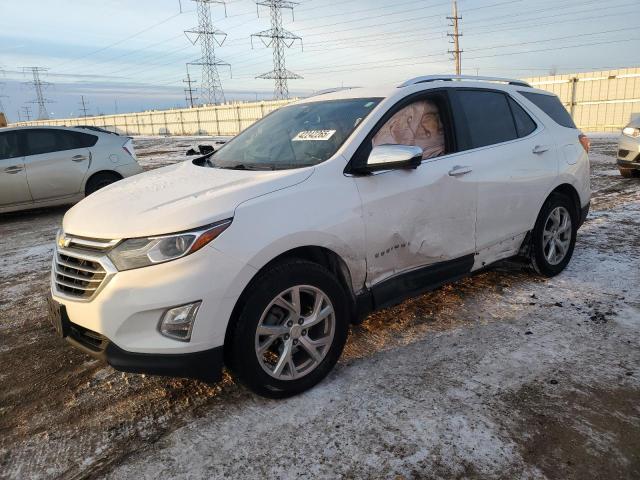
x: 295, y: 136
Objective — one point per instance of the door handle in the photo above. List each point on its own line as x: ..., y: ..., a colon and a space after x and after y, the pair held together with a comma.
x: 79, y: 158
x: 459, y: 170
x: 13, y: 169
x: 538, y: 149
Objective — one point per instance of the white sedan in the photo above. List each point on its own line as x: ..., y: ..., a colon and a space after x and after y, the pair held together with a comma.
x: 46, y: 166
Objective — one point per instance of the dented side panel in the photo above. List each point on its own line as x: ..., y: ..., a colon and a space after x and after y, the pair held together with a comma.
x: 416, y: 217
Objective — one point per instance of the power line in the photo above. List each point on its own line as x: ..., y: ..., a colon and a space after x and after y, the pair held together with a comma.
x: 208, y: 35
x: 455, y: 38
x: 139, y: 32
x: 38, y: 86
x: 278, y: 38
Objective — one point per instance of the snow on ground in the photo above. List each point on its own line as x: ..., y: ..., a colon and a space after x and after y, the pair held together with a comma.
x: 501, y: 375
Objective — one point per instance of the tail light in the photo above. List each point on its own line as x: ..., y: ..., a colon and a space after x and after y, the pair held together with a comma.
x: 128, y: 147
x: 585, y: 142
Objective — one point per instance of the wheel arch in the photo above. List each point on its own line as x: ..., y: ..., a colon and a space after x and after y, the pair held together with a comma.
x: 98, y: 172
x: 570, y: 192
x: 313, y: 253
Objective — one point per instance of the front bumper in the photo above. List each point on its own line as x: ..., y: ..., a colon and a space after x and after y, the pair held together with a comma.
x: 203, y: 365
x: 628, y: 152
x: 127, y: 306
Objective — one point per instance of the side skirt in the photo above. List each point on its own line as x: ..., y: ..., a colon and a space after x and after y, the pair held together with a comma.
x: 394, y: 290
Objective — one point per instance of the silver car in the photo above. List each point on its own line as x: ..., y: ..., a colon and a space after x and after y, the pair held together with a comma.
x: 46, y: 166
x: 629, y: 149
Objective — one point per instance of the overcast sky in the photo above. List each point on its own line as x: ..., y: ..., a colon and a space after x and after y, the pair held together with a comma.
x: 131, y: 54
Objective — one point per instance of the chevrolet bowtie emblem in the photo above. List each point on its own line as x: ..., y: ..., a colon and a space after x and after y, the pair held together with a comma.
x: 64, y: 241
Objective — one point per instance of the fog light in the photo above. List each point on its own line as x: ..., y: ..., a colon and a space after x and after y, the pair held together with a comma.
x: 177, y: 322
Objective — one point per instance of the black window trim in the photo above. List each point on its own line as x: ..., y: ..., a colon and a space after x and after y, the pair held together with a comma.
x: 462, y: 125
x: 358, y: 159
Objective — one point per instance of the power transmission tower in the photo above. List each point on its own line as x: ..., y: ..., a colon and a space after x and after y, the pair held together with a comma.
x: 83, y: 106
x: 209, y: 36
x: 278, y: 38
x: 456, y: 52
x: 189, y: 90
x: 27, y: 112
x: 38, y: 86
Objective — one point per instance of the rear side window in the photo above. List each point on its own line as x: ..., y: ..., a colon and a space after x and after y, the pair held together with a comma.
x: 71, y: 140
x: 9, y: 145
x: 551, y: 105
x: 489, y: 118
x: 524, y: 123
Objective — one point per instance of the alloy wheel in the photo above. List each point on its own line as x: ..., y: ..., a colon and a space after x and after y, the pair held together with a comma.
x: 295, y: 332
x: 556, y: 236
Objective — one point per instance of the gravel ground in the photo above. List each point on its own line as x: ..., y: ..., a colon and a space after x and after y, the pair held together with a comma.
x: 501, y: 375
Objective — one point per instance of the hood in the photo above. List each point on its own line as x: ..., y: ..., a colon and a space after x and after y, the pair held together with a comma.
x: 172, y: 199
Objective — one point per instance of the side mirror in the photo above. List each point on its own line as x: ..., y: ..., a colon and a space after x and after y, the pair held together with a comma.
x: 390, y: 157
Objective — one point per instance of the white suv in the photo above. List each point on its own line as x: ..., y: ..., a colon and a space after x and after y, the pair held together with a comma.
x: 46, y: 166
x: 260, y: 256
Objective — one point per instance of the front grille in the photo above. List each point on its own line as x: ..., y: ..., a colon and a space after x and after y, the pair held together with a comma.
x: 75, y: 276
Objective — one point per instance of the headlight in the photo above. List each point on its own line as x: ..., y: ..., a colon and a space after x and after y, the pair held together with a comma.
x: 631, y: 132
x: 142, y: 252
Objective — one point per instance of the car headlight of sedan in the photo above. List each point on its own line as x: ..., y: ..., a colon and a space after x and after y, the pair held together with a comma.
x: 631, y: 132
x: 142, y: 252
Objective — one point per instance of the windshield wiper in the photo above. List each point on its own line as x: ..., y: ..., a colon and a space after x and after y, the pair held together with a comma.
x: 247, y: 166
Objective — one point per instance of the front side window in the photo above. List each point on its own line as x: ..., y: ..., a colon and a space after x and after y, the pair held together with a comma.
x: 489, y: 118
x: 40, y: 141
x: 295, y: 136
x: 9, y: 147
x: 419, y: 124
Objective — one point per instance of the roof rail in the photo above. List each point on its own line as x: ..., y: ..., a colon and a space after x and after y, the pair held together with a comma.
x: 449, y: 78
x: 330, y: 90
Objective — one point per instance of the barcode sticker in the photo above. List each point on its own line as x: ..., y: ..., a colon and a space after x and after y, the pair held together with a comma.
x: 307, y: 135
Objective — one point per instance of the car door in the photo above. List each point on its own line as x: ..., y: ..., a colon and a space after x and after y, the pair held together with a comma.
x: 13, y: 176
x: 514, y: 163
x: 55, y: 161
x: 423, y: 217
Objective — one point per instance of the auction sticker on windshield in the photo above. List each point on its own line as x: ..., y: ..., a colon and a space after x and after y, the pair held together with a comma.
x: 313, y: 135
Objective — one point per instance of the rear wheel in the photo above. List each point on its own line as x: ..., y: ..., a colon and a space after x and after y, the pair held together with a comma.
x: 291, y: 330
x: 100, y: 180
x: 554, y: 236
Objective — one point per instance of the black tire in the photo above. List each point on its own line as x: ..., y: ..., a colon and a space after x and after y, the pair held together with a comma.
x: 629, y: 172
x: 538, y: 258
x: 244, y: 360
x: 100, y: 180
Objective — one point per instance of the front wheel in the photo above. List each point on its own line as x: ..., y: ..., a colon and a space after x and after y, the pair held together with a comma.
x: 291, y: 330
x: 554, y: 236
